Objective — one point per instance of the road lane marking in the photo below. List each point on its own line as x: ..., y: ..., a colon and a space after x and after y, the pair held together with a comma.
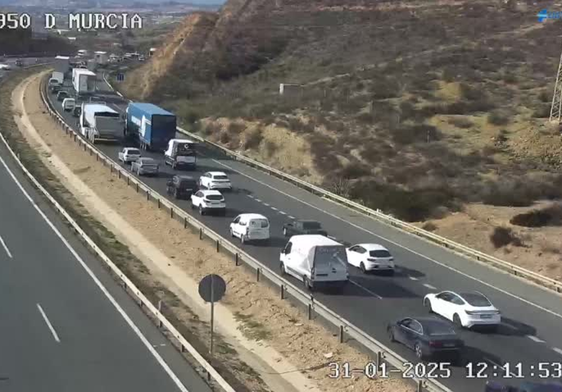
x: 535, y: 339
x: 274, y: 209
x: 282, y: 212
x: 551, y: 312
x: 104, y: 290
x: 412, y: 278
x: 291, y: 217
x: 365, y: 289
x: 558, y: 350
x: 265, y: 204
x: 430, y: 286
x: 5, y: 247
x: 258, y: 200
x: 55, y: 335
x: 251, y: 196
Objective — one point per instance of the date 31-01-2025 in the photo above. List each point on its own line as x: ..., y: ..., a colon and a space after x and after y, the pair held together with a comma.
x: 443, y: 370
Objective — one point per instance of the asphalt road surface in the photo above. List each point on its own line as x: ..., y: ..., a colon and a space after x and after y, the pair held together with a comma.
x: 532, y: 317
x: 65, y: 325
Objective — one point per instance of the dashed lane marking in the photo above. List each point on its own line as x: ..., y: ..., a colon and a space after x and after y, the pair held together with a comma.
x: 365, y: 289
x: 535, y: 339
x: 430, y: 286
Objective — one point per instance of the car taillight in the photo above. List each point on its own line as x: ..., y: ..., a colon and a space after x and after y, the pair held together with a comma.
x: 435, y: 344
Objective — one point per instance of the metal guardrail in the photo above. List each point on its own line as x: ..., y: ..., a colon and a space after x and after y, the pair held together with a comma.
x: 408, y: 228
x: 346, y: 328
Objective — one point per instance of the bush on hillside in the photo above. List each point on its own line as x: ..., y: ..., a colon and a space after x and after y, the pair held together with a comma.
x: 498, y: 118
x: 550, y: 216
x: 503, y: 236
x: 270, y: 148
x: 461, y: 122
x: 355, y: 170
x: 253, y: 139
x: 408, y: 134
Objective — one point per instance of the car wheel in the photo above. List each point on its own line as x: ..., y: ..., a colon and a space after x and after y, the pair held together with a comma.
x: 362, y: 267
x: 282, y: 267
x: 418, y: 351
x: 427, y: 304
x: 390, y: 332
x: 285, y: 232
x: 457, y: 321
x: 306, y: 283
x: 231, y: 233
x: 201, y: 210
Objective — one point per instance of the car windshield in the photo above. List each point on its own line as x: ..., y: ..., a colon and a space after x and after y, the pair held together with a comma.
x: 134, y: 152
x: 220, y: 177
x: 147, y: 161
x: 379, y: 253
x: 213, y: 197
x: 476, y: 299
x: 437, y: 328
x: 259, y: 223
x: 187, y: 182
x: 310, y: 225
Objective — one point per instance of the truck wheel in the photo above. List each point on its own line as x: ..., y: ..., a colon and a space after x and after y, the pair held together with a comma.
x: 283, y: 271
x: 306, y: 283
x: 174, y: 166
x: 285, y: 232
x: 201, y: 211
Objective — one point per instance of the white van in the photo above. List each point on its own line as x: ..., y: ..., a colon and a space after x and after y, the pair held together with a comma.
x: 68, y: 104
x: 250, y: 227
x: 316, y: 260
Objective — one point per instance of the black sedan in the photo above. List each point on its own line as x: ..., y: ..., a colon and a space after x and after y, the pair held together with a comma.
x: 429, y: 337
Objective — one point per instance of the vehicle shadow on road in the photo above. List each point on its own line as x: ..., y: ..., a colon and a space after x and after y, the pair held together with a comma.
x: 509, y: 327
x: 405, y: 272
x: 475, y: 356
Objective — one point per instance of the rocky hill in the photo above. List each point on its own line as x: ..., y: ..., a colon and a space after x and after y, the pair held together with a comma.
x: 415, y: 107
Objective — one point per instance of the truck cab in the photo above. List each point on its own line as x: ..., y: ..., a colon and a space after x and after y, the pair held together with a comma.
x: 181, y: 154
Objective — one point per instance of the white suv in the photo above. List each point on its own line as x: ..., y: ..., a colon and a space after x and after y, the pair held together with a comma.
x: 207, y: 201
x: 128, y: 155
x: 250, y: 227
x: 215, y: 180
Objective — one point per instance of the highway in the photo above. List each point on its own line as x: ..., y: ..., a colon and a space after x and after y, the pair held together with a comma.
x: 532, y: 316
x: 66, y: 325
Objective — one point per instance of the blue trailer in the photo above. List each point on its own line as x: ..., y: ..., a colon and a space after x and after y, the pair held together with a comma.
x: 153, y: 126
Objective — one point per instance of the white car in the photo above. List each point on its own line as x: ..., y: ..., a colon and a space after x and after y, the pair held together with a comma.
x: 208, y: 201
x: 129, y: 154
x: 371, y: 257
x: 68, y: 104
x: 250, y: 227
x: 215, y: 180
x: 464, y: 309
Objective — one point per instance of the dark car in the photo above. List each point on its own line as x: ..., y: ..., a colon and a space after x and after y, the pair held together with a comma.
x: 303, y: 227
x: 77, y: 111
x: 429, y: 337
x: 181, y: 187
x: 61, y: 95
x: 494, y: 386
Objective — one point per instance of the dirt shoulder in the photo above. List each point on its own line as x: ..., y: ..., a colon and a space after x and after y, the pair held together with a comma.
x: 270, y: 335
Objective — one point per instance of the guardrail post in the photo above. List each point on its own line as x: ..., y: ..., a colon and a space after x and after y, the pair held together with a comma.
x: 182, y: 348
x: 236, y: 259
x: 200, y: 233
x: 147, y: 195
x: 128, y: 180
x: 171, y: 213
x: 218, y: 247
x: 160, y: 311
x: 110, y: 168
x: 119, y: 173
x: 341, y: 333
x: 137, y: 187
x: 282, y: 291
x: 310, y: 311
x: 97, y: 157
x: 379, y: 359
x: 258, y: 273
x: 420, y: 386
x: 185, y: 223
x: 158, y: 202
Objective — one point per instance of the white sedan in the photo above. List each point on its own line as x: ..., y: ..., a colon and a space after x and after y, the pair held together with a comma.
x: 215, y: 180
x: 371, y: 257
x: 208, y: 200
x: 464, y: 309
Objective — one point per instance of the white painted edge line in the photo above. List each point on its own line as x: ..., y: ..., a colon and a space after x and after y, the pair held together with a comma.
x: 535, y: 339
x: 291, y: 217
x: 251, y: 196
x: 258, y: 200
x: 55, y: 335
x: 265, y: 204
x: 5, y: 247
x: 365, y: 289
x: 412, y: 278
x: 282, y: 212
x: 558, y: 350
x: 118, y: 307
x: 430, y: 286
x: 551, y: 312
x: 274, y: 209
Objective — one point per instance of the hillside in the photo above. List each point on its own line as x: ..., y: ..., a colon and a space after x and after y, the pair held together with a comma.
x: 20, y: 42
x: 415, y: 107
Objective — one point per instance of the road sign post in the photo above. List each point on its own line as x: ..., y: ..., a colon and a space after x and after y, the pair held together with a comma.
x: 211, y: 289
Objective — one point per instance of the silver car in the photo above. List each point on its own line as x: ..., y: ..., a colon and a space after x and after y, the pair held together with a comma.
x: 145, y: 166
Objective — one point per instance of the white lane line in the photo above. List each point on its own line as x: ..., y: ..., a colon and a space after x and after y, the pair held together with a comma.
x: 535, y: 339
x: 397, y: 244
x: 292, y: 217
x: 430, y: 286
x: 258, y: 200
x: 412, y: 278
x: 282, y: 212
x: 5, y: 247
x: 274, y: 209
x: 251, y: 196
x: 365, y: 289
x: 265, y: 204
x: 104, y: 290
x: 558, y: 350
x: 48, y: 323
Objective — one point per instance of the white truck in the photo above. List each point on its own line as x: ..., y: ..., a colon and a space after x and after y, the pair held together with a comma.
x: 180, y: 153
x: 100, y: 123
x: 316, y: 260
x: 57, y: 77
x: 84, y: 81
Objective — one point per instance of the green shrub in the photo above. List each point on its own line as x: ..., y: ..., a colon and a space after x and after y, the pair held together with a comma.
x: 253, y: 139
x: 550, y: 216
x: 503, y: 236
x: 498, y: 118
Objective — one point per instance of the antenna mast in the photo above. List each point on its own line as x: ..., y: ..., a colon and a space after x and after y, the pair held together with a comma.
x: 556, y: 108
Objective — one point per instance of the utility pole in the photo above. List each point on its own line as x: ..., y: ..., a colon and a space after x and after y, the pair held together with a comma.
x: 556, y: 108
